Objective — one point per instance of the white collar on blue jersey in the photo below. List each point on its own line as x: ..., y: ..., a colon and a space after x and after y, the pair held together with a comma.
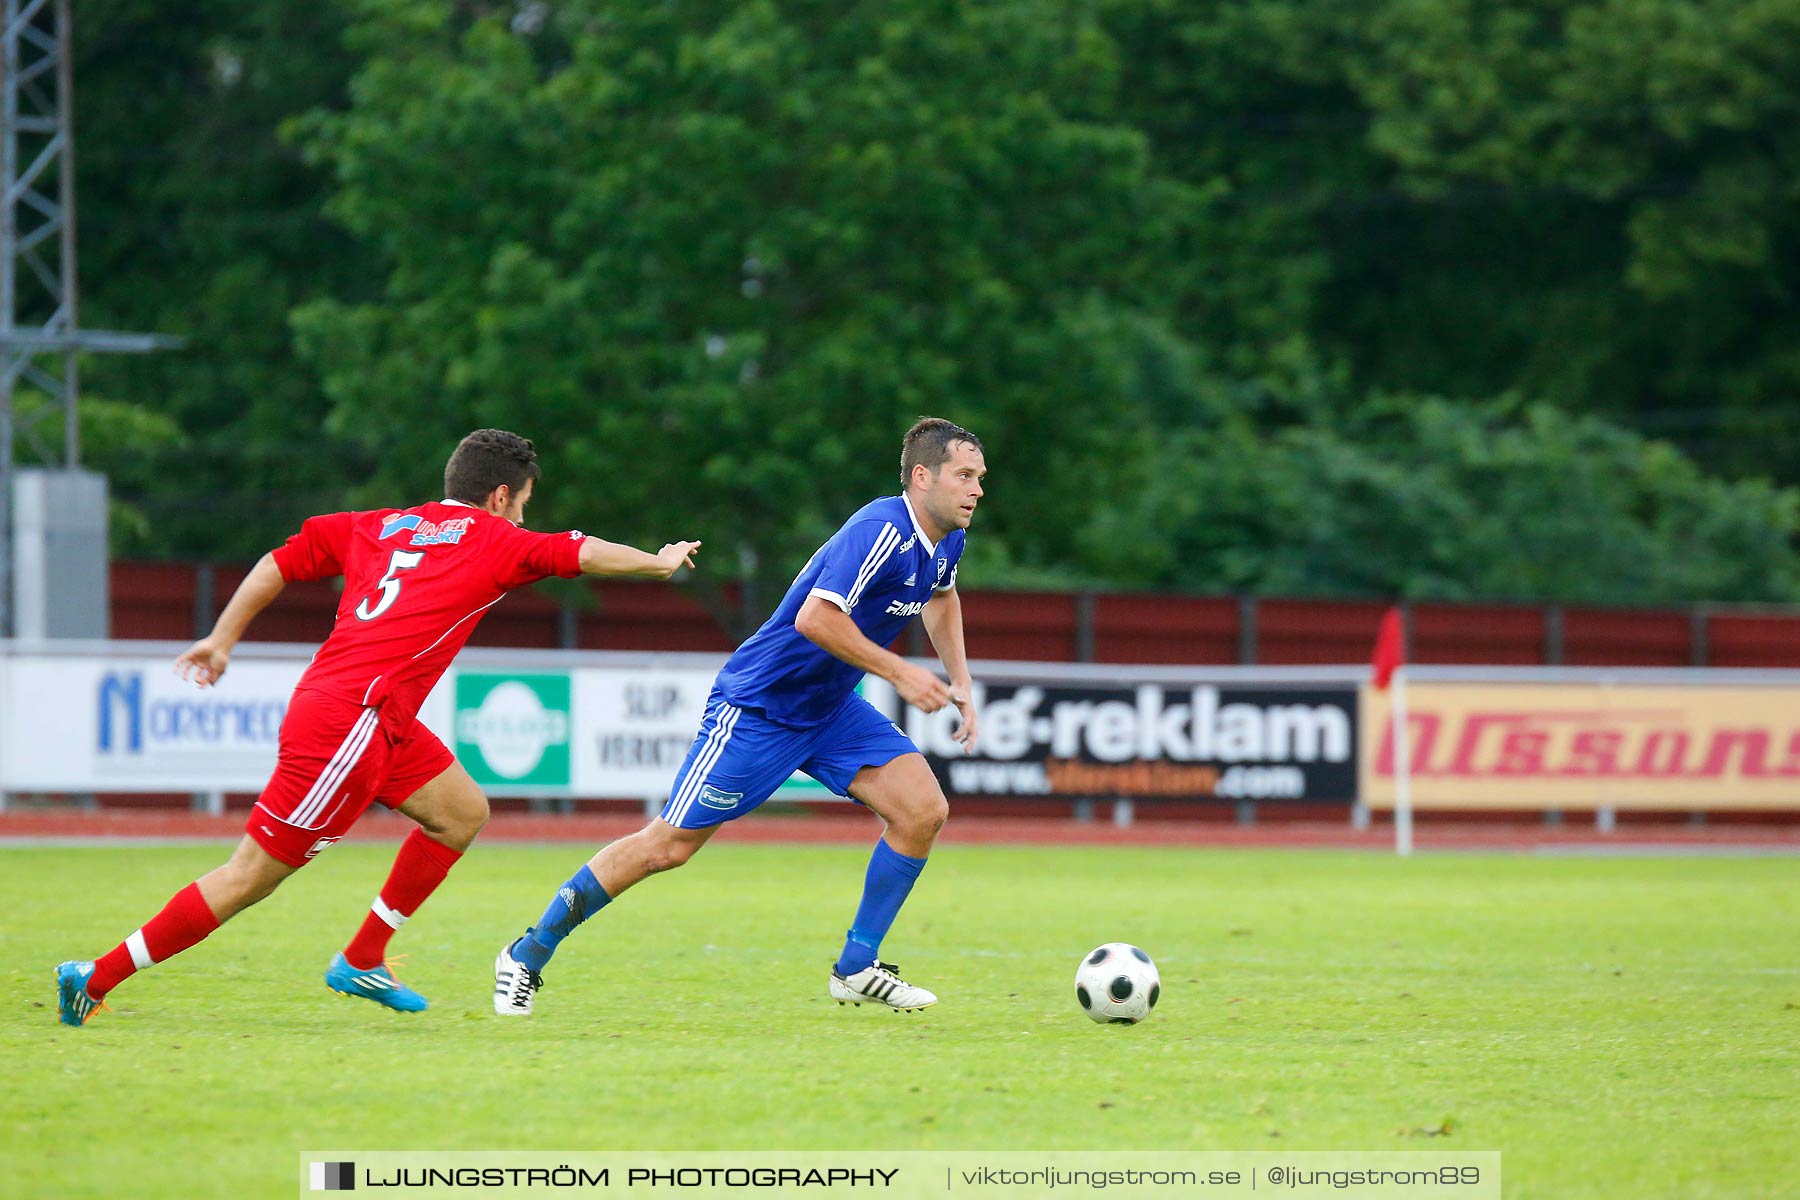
x: 917, y: 528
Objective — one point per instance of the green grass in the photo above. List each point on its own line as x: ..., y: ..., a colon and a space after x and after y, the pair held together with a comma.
x: 1616, y: 1027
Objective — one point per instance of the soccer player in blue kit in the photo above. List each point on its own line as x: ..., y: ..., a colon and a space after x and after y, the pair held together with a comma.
x: 786, y: 701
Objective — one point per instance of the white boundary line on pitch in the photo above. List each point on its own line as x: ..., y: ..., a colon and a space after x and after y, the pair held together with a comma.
x: 1580, y: 850
x: 1666, y: 850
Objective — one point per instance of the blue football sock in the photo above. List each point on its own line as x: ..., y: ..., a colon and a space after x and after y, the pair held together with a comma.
x: 575, y: 902
x: 885, y: 888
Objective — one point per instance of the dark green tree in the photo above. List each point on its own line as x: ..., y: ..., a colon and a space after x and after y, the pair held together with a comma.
x: 719, y: 256
x: 196, y: 220
x: 1224, y: 285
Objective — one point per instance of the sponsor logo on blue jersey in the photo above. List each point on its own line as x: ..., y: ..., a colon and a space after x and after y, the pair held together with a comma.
x: 712, y: 797
x: 906, y: 608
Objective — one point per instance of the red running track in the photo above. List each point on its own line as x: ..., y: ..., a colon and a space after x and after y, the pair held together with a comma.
x: 855, y: 828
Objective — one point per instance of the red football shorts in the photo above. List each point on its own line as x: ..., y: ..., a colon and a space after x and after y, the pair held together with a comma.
x: 336, y: 759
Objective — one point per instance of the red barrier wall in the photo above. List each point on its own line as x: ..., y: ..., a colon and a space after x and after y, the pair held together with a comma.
x: 1305, y: 632
x: 1026, y: 626
x: 1753, y: 640
x: 157, y: 600
x: 1596, y: 637
x: 1495, y: 635
x: 1165, y: 629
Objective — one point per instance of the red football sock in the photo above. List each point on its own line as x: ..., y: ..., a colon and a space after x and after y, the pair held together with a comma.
x: 419, y: 867
x: 184, y: 921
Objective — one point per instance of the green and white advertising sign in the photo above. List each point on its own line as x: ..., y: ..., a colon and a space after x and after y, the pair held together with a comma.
x: 513, y: 730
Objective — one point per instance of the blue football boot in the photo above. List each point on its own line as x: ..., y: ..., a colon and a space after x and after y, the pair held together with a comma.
x: 377, y: 984
x: 73, y: 1004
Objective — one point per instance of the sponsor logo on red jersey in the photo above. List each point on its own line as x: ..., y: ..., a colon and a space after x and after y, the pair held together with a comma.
x: 426, y: 533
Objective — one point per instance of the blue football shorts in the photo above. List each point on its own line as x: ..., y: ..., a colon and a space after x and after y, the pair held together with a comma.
x: 740, y: 757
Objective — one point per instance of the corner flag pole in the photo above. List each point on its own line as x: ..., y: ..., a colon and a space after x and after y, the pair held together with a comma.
x: 1388, y: 666
x: 1403, y: 831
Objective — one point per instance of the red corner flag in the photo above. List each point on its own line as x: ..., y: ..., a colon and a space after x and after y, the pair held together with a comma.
x: 1390, y: 649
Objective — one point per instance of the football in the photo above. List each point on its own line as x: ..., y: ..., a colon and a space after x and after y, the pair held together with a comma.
x: 1117, y: 984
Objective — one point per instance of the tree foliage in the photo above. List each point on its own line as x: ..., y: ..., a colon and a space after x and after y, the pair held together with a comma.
x: 718, y: 264
x: 1432, y: 499
x: 196, y: 221
x: 1274, y: 295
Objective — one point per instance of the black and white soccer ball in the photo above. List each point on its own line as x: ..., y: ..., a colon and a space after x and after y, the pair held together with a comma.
x: 1117, y: 984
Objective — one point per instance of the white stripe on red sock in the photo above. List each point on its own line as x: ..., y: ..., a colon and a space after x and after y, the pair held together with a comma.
x: 382, y: 909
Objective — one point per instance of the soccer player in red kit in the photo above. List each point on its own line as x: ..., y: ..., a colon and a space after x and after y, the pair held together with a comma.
x: 416, y: 582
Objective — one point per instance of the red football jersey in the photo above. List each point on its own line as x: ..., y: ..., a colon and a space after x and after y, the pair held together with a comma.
x: 416, y: 582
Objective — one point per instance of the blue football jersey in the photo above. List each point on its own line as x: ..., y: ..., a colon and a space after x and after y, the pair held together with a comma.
x: 881, y: 569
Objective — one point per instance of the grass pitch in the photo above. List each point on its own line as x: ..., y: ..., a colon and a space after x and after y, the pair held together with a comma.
x: 1615, y: 1027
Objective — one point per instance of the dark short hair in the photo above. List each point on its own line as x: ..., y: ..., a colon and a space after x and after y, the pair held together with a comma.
x: 486, y: 459
x: 927, y: 444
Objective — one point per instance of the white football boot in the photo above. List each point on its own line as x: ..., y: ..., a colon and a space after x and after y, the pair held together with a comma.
x: 880, y: 984
x: 514, y: 984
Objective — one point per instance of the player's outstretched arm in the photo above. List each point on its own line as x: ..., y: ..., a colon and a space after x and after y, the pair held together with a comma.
x: 944, y: 625
x: 831, y: 629
x: 206, y: 659
x: 601, y: 557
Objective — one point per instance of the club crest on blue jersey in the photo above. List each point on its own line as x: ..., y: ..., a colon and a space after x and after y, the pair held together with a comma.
x: 427, y: 533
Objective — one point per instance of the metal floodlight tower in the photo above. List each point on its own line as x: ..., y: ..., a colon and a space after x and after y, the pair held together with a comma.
x: 37, y: 284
